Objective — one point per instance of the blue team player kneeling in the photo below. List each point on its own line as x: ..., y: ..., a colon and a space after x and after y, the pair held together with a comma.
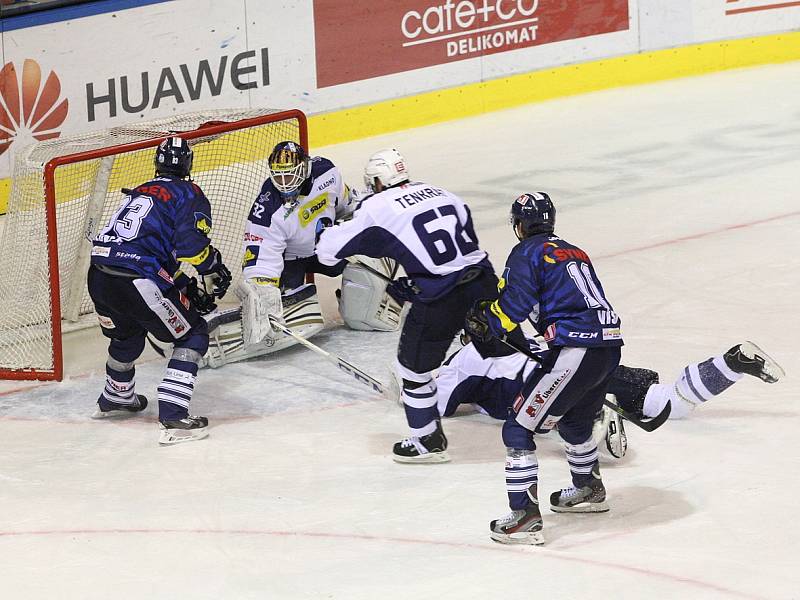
x: 137, y: 288
x: 552, y: 283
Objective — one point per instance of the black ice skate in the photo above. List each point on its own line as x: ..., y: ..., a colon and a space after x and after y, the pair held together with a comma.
x: 183, y: 430
x: 431, y: 448
x: 750, y: 359
x: 589, y: 498
x: 114, y: 409
x: 520, y: 526
x: 629, y: 385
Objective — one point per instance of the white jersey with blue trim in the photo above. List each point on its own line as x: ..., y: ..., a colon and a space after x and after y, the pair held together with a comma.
x: 426, y: 229
x: 276, y: 232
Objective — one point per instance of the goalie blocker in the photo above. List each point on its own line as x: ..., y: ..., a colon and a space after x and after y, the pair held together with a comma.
x: 244, y: 332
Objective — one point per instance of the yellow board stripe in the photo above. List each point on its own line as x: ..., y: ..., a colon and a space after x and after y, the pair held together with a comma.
x: 547, y: 84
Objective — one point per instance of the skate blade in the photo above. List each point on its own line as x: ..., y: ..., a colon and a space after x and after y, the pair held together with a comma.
x: 170, y: 437
x: 114, y: 414
x: 429, y: 458
x: 584, y: 507
x: 772, y: 371
x: 530, y: 538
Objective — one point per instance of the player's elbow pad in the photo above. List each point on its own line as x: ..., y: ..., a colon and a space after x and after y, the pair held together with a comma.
x: 501, y: 323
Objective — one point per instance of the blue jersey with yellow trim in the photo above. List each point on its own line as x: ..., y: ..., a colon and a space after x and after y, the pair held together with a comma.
x: 553, y: 283
x: 157, y: 225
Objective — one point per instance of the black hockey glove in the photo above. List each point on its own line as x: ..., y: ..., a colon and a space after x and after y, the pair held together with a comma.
x: 476, y: 324
x: 403, y: 289
x: 202, y: 301
x: 218, y: 277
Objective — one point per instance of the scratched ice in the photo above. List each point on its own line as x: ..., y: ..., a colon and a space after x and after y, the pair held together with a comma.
x: 685, y: 195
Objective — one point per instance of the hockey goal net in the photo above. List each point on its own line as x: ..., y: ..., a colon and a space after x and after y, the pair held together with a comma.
x: 64, y: 190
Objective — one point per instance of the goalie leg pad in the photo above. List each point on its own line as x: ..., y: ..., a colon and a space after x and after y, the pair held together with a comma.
x: 363, y: 301
x: 258, y: 302
x: 301, y: 312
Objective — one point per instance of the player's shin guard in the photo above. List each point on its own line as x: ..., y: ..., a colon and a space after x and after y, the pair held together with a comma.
x: 427, y: 442
x: 119, y: 397
x: 587, y: 497
x: 523, y: 525
x: 174, y: 395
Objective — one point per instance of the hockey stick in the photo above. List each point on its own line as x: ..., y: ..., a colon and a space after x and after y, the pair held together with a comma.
x: 345, y: 366
x: 648, y: 425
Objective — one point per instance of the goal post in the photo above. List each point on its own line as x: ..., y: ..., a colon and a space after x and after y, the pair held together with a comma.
x: 65, y: 189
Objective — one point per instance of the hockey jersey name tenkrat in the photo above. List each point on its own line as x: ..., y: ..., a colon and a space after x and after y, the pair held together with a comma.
x: 427, y: 230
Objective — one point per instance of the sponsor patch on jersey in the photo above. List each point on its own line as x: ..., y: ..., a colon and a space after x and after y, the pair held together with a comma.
x: 582, y: 335
x: 202, y: 223
x: 550, y: 333
x: 101, y: 251
x: 162, y: 272
x: 518, y: 402
x: 311, y: 209
x: 250, y: 256
x: 612, y: 334
x: 553, y: 254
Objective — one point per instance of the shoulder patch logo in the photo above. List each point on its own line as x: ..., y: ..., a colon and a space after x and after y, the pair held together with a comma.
x: 30, y: 109
x: 202, y: 222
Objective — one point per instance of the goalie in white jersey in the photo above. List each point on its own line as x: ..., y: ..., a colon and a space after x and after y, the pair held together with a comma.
x: 302, y: 195
x: 429, y: 232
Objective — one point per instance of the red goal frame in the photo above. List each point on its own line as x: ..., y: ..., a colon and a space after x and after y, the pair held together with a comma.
x: 211, y: 128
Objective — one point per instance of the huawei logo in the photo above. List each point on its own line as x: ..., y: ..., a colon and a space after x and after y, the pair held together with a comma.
x: 29, y: 108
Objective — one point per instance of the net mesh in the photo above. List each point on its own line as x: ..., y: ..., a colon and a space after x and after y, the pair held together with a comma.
x: 229, y: 167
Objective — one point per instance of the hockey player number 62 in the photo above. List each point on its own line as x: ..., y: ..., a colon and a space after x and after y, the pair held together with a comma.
x: 439, y: 243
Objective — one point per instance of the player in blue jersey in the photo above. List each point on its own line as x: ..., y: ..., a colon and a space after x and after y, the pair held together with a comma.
x: 137, y: 288
x: 553, y: 284
x: 429, y: 232
x: 491, y: 384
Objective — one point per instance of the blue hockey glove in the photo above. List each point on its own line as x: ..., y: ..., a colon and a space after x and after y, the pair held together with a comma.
x: 322, y: 225
x: 403, y: 289
x: 218, y: 277
x: 476, y: 323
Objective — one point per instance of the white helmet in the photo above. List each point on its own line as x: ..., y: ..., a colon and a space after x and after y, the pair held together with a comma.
x: 387, y: 166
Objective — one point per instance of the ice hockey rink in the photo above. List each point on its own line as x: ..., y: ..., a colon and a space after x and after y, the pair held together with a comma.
x: 684, y: 193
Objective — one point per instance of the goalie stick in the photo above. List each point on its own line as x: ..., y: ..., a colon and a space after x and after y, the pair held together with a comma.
x: 647, y: 425
x: 343, y: 365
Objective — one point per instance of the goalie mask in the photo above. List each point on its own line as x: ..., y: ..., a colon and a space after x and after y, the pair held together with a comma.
x: 387, y: 168
x: 289, y: 167
x: 174, y: 157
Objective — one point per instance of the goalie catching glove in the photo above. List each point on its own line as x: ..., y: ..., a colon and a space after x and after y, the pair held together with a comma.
x: 260, y: 297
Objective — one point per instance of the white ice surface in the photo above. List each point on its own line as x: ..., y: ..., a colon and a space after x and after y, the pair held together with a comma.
x: 686, y: 196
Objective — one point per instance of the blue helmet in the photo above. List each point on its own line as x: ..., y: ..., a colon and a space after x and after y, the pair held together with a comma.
x: 174, y: 157
x: 531, y: 214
